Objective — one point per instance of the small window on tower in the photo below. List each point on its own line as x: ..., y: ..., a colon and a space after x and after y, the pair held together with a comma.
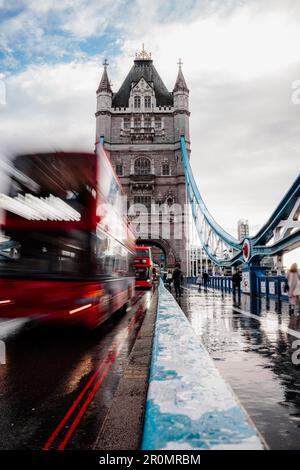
x: 126, y: 123
x: 137, y: 123
x: 157, y: 123
x: 147, y: 123
x: 119, y: 169
x: 147, y: 101
x: 137, y: 102
x: 166, y: 169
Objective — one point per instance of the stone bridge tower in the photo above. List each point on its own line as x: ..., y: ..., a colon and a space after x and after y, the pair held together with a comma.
x: 142, y: 124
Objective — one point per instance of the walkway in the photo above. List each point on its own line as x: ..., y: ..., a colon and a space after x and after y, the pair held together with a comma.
x: 252, y: 347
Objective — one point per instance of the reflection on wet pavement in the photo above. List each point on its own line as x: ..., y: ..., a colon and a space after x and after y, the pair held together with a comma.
x: 46, y: 369
x: 253, y: 344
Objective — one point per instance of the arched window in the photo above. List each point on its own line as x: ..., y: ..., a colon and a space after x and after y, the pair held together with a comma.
x: 137, y: 102
x: 147, y: 122
x: 142, y: 166
x: 137, y: 123
x: 119, y: 169
x: 147, y: 102
x: 126, y: 123
x: 157, y: 123
x: 165, y: 169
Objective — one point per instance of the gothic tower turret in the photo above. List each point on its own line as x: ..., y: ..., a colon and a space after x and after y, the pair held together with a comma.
x: 104, y: 103
x: 181, y: 106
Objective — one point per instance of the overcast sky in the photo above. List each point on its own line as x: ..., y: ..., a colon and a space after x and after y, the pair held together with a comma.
x: 241, y: 58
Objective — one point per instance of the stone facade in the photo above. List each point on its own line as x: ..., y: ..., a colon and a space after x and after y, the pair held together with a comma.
x: 142, y: 124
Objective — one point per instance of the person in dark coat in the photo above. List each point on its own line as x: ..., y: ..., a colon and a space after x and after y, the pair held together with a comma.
x: 236, y: 283
x: 199, y: 281
x: 169, y: 279
x: 177, y: 280
x: 205, y: 278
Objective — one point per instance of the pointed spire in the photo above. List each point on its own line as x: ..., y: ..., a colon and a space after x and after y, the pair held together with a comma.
x: 180, y: 84
x: 104, y: 84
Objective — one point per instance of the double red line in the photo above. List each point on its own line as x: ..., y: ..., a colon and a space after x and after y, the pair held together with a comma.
x: 90, y: 389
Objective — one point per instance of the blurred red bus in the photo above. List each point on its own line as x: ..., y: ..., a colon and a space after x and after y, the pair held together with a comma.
x: 71, y: 246
x: 143, y: 266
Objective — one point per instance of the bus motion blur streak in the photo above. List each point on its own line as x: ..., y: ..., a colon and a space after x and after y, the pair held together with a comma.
x: 70, y: 262
x: 95, y: 381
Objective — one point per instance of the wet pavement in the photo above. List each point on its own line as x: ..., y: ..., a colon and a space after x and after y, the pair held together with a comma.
x: 252, y: 345
x: 58, y: 382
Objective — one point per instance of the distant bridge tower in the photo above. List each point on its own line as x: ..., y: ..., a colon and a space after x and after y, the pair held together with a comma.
x: 142, y: 124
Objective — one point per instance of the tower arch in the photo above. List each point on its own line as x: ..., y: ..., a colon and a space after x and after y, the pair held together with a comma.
x: 166, y: 249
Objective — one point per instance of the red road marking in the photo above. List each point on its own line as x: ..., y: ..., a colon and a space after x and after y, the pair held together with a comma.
x: 86, y: 404
x: 75, y: 404
x: 110, y: 357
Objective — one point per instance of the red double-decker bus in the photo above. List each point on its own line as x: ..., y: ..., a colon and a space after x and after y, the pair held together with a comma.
x: 71, y: 247
x: 143, y: 267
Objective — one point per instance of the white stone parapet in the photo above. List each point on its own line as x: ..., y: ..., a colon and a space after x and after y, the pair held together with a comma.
x: 189, y: 406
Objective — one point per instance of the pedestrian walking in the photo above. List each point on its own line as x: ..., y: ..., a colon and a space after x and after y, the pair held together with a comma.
x: 205, y: 278
x: 236, y: 284
x: 169, y: 279
x: 199, y: 281
x: 177, y: 280
x: 293, y: 279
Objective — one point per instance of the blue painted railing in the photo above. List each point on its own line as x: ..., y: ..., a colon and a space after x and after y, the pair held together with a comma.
x: 189, y: 406
x: 272, y: 287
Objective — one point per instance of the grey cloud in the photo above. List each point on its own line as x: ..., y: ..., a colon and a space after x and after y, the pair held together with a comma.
x: 246, y: 143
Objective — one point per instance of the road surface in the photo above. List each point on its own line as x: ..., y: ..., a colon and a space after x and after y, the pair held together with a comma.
x: 58, y: 382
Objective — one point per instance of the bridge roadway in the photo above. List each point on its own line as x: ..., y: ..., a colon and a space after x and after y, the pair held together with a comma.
x: 252, y: 347
x: 48, y: 368
x: 59, y: 384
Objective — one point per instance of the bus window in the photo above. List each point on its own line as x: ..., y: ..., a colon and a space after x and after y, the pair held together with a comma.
x: 48, y: 254
x: 141, y: 273
x: 142, y: 253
